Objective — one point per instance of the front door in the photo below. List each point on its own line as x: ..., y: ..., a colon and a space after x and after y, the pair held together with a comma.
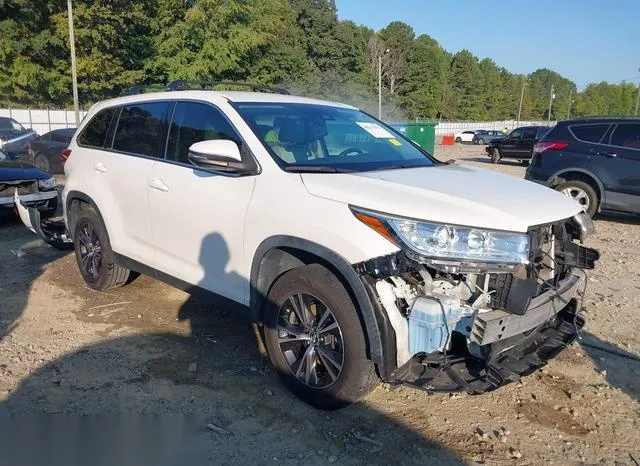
x: 197, y: 216
x: 509, y: 146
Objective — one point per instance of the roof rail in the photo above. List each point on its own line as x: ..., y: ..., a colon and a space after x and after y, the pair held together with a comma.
x: 142, y: 88
x: 600, y: 117
x: 183, y: 84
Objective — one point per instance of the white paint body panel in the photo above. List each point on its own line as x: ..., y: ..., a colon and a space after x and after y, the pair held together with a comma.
x: 205, y: 228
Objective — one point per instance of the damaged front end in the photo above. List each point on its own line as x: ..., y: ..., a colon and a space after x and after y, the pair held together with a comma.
x: 52, y: 231
x: 472, y: 309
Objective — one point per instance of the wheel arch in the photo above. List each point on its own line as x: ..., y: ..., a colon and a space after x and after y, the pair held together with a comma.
x: 579, y: 174
x: 74, y: 204
x: 279, y: 254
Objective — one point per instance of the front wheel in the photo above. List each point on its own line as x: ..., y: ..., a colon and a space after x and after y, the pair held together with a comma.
x: 458, y: 140
x: 481, y: 141
x: 315, y: 339
x: 495, y: 155
x: 582, y: 193
x: 42, y: 162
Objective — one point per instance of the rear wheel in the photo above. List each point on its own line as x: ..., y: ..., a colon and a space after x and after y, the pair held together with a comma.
x: 96, y: 260
x: 583, y: 193
x: 315, y: 339
x: 495, y: 155
x: 481, y: 141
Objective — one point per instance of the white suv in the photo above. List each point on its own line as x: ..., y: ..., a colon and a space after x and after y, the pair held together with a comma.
x: 363, y: 256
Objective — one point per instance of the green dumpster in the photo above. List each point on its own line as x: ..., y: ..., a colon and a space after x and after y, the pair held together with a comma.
x: 423, y: 134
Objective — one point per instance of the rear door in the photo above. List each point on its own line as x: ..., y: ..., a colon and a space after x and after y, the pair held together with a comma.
x: 617, y: 164
x: 509, y: 147
x: 525, y: 146
x: 135, y: 142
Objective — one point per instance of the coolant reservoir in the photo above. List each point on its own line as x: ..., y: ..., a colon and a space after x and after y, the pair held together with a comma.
x: 431, y: 322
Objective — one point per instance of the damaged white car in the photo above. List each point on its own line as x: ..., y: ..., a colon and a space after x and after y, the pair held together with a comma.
x: 364, y: 257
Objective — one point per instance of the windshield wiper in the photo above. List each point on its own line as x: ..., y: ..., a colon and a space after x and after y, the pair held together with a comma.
x: 316, y: 169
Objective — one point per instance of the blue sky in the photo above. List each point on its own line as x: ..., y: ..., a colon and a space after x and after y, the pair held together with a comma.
x: 584, y: 40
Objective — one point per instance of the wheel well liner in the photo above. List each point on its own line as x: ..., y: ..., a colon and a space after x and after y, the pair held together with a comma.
x: 278, y: 254
x: 75, y: 199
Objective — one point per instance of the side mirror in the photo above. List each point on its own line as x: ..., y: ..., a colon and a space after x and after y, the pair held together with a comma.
x: 220, y: 154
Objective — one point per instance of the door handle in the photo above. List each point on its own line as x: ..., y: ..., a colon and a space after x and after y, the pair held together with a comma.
x: 99, y: 167
x: 607, y: 154
x: 159, y: 185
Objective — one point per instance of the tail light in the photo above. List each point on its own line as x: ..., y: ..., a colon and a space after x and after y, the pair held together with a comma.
x: 544, y: 146
x: 65, y: 154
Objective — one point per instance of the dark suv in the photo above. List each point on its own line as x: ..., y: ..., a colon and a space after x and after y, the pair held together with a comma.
x: 596, y: 161
x: 518, y: 144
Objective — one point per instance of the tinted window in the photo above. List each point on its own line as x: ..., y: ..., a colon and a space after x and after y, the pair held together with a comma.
x: 194, y: 122
x: 529, y: 133
x: 61, y: 135
x: 9, y: 124
x: 469, y: 132
x: 626, y: 135
x: 589, y: 133
x: 542, y: 131
x: 141, y: 129
x: 94, y: 134
x: 516, y: 134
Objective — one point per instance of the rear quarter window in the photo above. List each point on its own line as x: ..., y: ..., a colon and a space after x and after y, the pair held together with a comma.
x: 95, y: 133
x: 588, y: 133
x: 626, y: 135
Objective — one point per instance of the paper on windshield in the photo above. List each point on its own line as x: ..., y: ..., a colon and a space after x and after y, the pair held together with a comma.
x: 375, y: 130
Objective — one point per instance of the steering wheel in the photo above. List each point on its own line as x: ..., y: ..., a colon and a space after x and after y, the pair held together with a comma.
x: 350, y: 150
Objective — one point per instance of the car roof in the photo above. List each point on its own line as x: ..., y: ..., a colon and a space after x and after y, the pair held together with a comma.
x: 230, y: 96
x: 602, y: 120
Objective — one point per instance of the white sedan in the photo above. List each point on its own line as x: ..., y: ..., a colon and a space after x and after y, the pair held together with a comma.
x: 465, y: 136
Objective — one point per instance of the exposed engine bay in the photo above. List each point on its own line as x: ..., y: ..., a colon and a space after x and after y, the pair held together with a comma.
x: 456, y: 324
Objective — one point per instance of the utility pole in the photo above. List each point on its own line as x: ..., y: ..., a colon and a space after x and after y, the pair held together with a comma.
x: 521, y: 98
x: 551, y: 97
x: 380, y: 83
x: 569, y: 109
x: 74, y: 73
x: 637, y: 97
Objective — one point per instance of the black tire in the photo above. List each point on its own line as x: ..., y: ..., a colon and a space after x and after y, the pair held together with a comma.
x: 593, y: 201
x: 495, y: 155
x: 357, y: 376
x: 42, y: 162
x: 104, y: 272
x: 458, y: 140
x: 480, y: 141
x: 524, y: 163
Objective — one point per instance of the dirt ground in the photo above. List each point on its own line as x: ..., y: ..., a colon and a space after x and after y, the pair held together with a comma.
x: 147, y: 367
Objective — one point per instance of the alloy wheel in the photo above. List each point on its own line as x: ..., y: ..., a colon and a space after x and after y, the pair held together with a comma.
x: 577, y: 195
x: 310, y: 340
x: 90, y: 250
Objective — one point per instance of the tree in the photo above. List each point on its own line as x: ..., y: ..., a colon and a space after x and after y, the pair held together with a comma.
x: 398, y: 38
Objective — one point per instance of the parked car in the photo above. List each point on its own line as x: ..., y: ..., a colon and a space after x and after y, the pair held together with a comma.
x: 14, y: 138
x: 45, y: 151
x: 484, y: 136
x: 518, y: 144
x: 365, y: 261
x: 594, y: 161
x: 36, y: 188
x: 465, y: 136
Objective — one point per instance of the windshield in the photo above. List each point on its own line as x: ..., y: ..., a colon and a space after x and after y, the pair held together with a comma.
x: 9, y: 124
x: 306, y: 137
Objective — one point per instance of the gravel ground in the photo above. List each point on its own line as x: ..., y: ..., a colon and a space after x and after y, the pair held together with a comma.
x: 102, y: 363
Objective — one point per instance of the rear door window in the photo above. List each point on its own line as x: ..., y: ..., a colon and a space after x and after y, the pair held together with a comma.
x: 141, y: 129
x: 529, y: 133
x: 589, y: 133
x: 194, y: 122
x: 626, y: 135
x: 95, y: 133
x: 60, y: 136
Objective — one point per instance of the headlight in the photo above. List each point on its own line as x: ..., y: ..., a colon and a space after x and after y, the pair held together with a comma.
x: 3, y: 142
x: 48, y: 184
x: 457, y: 246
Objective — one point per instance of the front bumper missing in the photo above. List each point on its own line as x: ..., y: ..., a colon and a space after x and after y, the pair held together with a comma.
x: 506, y: 361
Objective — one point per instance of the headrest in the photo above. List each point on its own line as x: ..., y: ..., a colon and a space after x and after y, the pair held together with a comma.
x: 302, y: 131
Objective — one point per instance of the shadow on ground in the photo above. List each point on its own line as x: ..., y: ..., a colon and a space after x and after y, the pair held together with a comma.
x: 158, y: 397
x: 622, y: 368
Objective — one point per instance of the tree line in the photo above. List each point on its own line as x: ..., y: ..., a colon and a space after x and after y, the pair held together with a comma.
x: 298, y: 44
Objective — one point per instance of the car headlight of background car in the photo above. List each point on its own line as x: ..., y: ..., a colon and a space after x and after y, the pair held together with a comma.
x: 451, y: 248
x: 48, y: 184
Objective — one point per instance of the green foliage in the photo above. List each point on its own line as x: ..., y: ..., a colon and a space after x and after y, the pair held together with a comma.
x: 300, y: 44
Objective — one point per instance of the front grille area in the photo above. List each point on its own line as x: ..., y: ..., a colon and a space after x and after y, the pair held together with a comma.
x: 24, y: 187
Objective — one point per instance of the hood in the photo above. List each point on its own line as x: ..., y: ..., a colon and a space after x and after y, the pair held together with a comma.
x: 16, y: 170
x: 454, y: 194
